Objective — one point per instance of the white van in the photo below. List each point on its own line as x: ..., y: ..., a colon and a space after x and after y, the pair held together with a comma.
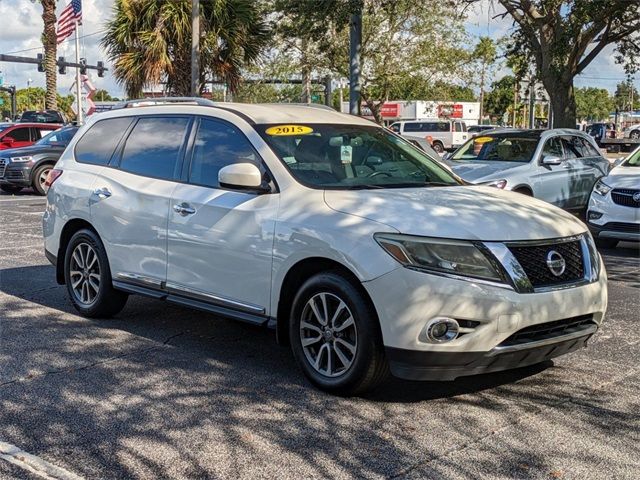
x: 445, y: 134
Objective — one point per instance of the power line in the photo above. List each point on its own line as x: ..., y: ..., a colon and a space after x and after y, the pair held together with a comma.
x: 65, y: 41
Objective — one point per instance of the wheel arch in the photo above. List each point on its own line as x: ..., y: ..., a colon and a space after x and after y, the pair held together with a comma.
x: 40, y: 163
x: 523, y: 188
x: 69, y: 229
x: 297, y: 274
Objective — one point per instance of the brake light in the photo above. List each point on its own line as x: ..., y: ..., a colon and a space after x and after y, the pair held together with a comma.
x: 52, y: 177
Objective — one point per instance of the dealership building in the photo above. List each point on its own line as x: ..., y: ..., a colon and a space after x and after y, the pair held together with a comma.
x: 394, y: 110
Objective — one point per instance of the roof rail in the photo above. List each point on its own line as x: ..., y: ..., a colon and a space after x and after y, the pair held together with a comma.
x: 149, y: 102
x: 312, y: 105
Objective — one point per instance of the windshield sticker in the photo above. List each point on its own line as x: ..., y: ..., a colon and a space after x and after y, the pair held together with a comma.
x: 280, y: 130
x: 346, y: 153
x: 483, y: 139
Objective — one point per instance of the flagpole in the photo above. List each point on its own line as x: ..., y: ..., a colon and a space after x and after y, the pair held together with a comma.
x: 79, y: 118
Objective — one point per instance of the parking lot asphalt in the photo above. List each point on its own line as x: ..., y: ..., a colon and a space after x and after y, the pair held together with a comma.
x: 163, y: 391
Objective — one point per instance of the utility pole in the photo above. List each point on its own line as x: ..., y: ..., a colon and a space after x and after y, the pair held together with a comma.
x: 532, y: 102
x: 355, y: 46
x: 195, y: 47
x: 515, y: 102
x: 79, y: 113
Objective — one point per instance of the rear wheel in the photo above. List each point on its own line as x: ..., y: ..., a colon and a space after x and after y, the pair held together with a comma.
x: 335, y: 336
x: 438, y: 147
x: 39, y: 179
x: 88, y: 277
x: 10, y: 188
x: 635, y: 134
x: 606, y: 242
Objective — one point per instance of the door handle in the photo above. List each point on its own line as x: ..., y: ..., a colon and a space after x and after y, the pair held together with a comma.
x: 102, y: 193
x: 184, y: 209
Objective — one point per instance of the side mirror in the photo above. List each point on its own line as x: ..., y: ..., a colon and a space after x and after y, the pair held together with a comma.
x: 242, y: 176
x: 9, y: 141
x: 551, y: 160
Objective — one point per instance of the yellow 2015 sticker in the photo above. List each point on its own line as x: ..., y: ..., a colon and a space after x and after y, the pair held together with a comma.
x: 289, y: 130
x: 483, y: 140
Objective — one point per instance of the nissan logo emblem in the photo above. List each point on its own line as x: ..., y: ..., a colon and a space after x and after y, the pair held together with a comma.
x: 556, y: 263
x: 636, y: 197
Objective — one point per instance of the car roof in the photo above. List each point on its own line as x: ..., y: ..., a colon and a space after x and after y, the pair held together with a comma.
x: 535, y: 133
x: 55, y: 126
x: 257, y: 113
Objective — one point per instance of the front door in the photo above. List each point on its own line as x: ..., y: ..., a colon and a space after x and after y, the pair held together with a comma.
x: 552, y: 183
x: 220, y: 241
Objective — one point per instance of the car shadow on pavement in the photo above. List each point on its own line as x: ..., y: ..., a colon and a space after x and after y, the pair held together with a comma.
x: 163, y: 391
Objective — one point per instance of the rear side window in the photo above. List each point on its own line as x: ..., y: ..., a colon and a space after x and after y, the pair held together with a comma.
x: 20, y: 134
x: 217, y: 145
x: 154, y: 146
x: 412, y: 127
x: 572, y: 147
x: 395, y: 127
x: 97, y: 145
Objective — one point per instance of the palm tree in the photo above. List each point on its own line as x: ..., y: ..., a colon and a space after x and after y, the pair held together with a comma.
x: 149, y: 42
x: 50, y: 51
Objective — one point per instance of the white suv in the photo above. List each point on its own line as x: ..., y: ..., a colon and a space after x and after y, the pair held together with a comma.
x: 359, y: 250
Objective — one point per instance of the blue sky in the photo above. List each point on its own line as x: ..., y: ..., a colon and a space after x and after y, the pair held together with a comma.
x: 22, y: 26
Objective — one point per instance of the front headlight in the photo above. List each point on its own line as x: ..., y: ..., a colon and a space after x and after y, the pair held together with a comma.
x: 439, y: 256
x: 21, y: 159
x: 501, y: 184
x: 601, y: 188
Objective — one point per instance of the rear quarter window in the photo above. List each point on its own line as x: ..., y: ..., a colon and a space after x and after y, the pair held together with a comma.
x: 99, y: 142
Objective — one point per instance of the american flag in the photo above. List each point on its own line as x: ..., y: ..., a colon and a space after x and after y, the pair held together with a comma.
x: 71, y: 14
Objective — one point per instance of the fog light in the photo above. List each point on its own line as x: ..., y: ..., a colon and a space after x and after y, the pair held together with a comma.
x: 591, y: 215
x: 442, y: 329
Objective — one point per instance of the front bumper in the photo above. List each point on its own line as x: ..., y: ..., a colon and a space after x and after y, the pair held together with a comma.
x: 16, y: 174
x: 406, y: 300
x: 617, y: 222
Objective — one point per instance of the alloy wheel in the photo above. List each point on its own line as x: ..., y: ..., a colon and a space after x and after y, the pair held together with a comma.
x: 84, y: 272
x: 43, y: 177
x: 328, y: 334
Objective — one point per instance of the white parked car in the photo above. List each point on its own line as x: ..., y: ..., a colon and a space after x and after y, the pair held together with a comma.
x: 359, y: 250
x: 442, y: 134
x: 614, y: 206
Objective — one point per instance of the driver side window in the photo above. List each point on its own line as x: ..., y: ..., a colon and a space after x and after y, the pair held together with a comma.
x: 552, y: 148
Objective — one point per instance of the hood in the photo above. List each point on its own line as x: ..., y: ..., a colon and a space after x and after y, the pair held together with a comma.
x: 473, y: 171
x: 32, y: 150
x: 465, y: 212
x: 623, y: 177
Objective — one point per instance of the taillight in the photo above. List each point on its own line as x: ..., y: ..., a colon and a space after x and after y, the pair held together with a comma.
x: 54, y: 173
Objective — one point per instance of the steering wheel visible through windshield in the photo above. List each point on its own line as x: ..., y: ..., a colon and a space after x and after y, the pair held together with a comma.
x: 496, y: 147
x: 336, y: 156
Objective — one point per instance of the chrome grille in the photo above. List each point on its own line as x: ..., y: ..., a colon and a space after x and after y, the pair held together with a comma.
x: 533, y: 260
x: 624, y: 196
x: 3, y: 166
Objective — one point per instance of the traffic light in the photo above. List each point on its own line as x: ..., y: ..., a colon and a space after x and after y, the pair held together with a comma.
x: 83, y: 66
x: 62, y: 68
x: 100, y: 66
x: 40, y: 58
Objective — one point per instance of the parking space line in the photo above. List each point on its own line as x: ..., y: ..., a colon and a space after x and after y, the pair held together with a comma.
x: 34, y: 464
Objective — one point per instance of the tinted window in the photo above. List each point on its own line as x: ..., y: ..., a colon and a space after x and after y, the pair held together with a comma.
x: 552, y: 148
x: 572, y: 147
x: 59, y: 138
x: 154, y: 145
x: 218, y: 144
x: 412, y: 127
x: 42, y: 117
x: 99, y: 142
x: 458, y: 127
x: 588, y: 150
x: 20, y: 134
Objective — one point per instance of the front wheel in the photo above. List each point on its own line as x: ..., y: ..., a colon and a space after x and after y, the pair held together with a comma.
x: 335, y: 336
x: 635, y: 135
x: 438, y: 148
x: 88, y: 277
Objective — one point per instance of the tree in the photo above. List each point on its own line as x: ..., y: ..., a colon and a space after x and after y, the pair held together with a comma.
x: 564, y: 36
x: 500, y: 99
x: 149, y: 42
x: 102, y: 95
x: 626, y: 97
x: 49, y: 41
x: 485, y: 54
x: 593, y: 103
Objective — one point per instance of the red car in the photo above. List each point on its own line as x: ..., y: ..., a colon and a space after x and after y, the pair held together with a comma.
x: 16, y: 135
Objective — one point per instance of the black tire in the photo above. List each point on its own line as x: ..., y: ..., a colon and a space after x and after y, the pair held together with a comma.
x: 10, y: 188
x: 41, y: 172
x: 606, y: 242
x: 106, y: 301
x: 524, y: 191
x: 438, y: 147
x: 368, y: 365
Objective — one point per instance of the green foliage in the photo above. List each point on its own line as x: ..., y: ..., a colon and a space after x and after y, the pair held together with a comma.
x: 149, y: 41
x: 500, y: 98
x: 102, y: 95
x: 593, y: 103
x: 625, y: 92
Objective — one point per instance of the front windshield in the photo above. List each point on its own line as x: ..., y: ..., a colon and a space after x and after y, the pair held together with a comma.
x: 633, y: 160
x: 58, y: 138
x: 335, y: 156
x: 4, y: 126
x: 41, y: 117
x: 497, y: 147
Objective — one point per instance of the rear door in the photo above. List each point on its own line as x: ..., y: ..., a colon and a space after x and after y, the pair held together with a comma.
x: 220, y: 240
x: 131, y: 199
